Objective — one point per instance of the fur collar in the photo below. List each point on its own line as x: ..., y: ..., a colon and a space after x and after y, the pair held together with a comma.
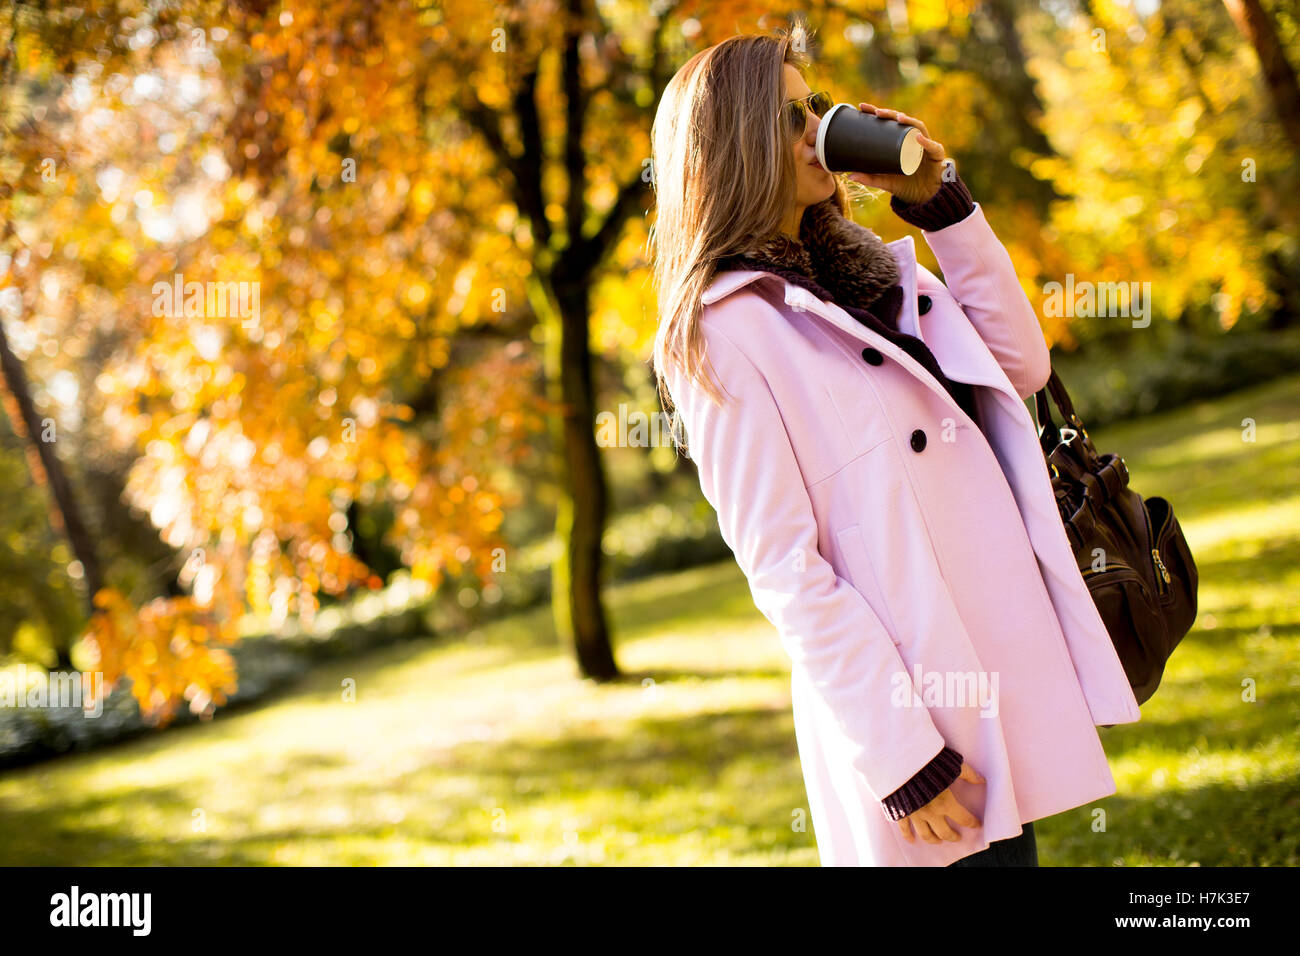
x: 838, y: 259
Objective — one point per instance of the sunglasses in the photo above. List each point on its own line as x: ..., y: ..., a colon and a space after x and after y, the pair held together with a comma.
x: 795, y: 115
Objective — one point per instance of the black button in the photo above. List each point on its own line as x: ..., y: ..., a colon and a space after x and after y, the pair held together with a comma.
x: 918, y: 440
x: 923, y: 304
x: 872, y: 356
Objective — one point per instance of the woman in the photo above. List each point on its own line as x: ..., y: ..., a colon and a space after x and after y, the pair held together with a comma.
x: 860, y: 429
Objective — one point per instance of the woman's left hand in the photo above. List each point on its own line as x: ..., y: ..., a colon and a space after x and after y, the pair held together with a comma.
x: 927, y: 179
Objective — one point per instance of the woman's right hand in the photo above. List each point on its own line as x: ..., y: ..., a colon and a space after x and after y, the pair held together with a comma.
x: 931, y: 821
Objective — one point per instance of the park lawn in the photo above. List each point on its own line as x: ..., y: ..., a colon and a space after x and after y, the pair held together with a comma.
x: 491, y: 751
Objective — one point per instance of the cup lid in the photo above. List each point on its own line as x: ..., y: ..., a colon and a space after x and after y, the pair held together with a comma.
x: 912, y: 152
x: 821, y: 133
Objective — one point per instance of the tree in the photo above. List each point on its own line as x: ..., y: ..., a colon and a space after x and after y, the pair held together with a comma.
x: 565, y: 259
x: 438, y: 206
x: 48, y: 471
x: 1257, y: 27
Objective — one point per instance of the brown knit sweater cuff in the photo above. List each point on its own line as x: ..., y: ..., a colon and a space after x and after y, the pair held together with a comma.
x: 930, y: 781
x: 951, y: 204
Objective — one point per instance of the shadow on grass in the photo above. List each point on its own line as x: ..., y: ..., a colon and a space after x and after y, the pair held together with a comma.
x: 1214, y: 825
x: 1207, y: 777
x: 656, y: 780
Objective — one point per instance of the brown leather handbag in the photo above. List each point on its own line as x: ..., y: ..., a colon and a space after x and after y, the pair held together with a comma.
x: 1131, y: 552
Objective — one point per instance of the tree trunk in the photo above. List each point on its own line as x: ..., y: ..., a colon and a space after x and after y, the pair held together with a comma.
x: 1257, y: 26
x: 581, y: 510
x: 559, y: 288
x: 123, y: 534
x: 1283, y: 279
x: 48, y: 470
x: 1009, y: 71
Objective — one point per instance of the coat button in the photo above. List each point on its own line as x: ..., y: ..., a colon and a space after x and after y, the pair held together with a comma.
x: 872, y: 356
x: 918, y: 440
x: 923, y: 304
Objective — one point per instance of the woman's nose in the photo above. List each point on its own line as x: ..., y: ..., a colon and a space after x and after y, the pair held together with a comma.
x: 810, y: 129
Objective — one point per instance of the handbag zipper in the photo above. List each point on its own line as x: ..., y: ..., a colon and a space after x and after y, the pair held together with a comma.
x: 1155, y: 550
x: 1169, y: 513
x: 1164, y: 573
x: 1157, y: 565
x: 1110, y: 566
x: 1120, y: 566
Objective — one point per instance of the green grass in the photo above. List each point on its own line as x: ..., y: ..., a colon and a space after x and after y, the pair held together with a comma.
x: 492, y: 751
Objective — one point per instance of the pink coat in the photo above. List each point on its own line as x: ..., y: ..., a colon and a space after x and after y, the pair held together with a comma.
x: 917, y: 573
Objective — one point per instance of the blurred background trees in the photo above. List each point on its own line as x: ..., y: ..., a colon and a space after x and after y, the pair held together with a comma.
x: 443, y: 209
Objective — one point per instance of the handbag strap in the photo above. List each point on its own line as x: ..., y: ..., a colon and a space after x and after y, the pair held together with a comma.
x: 1079, y: 528
x: 1042, y: 411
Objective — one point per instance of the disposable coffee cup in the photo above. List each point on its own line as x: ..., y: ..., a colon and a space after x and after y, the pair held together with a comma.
x: 851, y: 141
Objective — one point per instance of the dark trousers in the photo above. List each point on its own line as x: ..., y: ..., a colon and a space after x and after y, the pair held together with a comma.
x: 1017, y: 851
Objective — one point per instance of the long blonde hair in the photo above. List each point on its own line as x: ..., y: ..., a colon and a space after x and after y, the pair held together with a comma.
x: 723, y: 177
